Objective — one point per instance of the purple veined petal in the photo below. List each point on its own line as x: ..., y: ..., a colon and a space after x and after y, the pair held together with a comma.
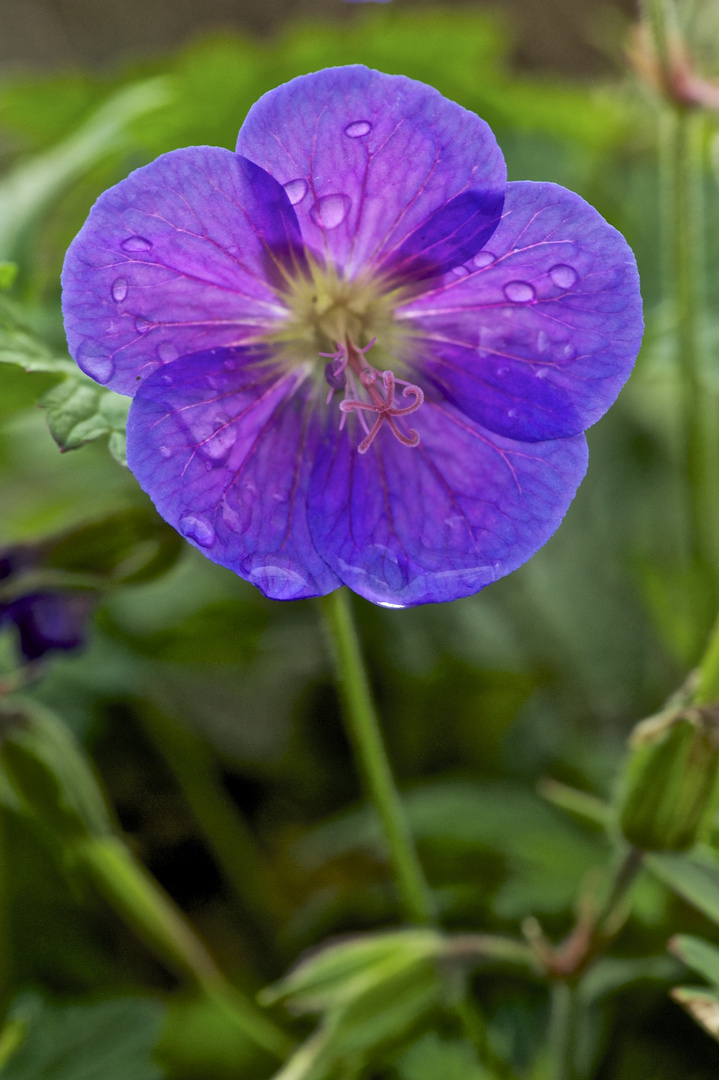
x: 222, y: 441
x: 404, y: 526
x: 451, y: 236
x: 180, y: 256
x: 379, y: 154
x: 538, y: 340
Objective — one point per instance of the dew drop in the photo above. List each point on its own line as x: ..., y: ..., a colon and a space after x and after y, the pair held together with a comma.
x: 167, y: 352
x: 542, y: 341
x: 460, y: 271
x: 541, y: 373
x: 119, y: 289
x: 296, y: 190
x: 197, y: 529
x: 331, y: 210
x: 136, y: 243
x: 215, y: 438
x: 165, y: 452
x: 96, y: 363
x: 568, y: 352
x: 511, y: 413
x: 277, y: 582
x: 358, y: 128
x: 519, y: 292
x: 142, y: 325
x: 229, y: 364
x: 501, y: 371
x: 483, y: 259
x: 167, y: 379
x: 563, y: 276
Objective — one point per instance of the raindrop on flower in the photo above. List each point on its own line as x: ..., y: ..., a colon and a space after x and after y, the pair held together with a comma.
x: 563, y: 276
x: 358, y: 128
x: 119, y: 289
x: 95, y: 362
x: 196, y: 528
x: 483, y: 259
x: 296, y: 190
x: 519, y: 292
x: 330, y: 211
x: 166, y: 351
x: 136, y: 243
x: 142, y: 325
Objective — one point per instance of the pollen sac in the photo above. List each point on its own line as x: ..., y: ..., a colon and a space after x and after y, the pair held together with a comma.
x: 334, y: 377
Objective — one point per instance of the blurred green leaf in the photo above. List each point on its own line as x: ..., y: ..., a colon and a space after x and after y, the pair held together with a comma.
x: 435, y: 1058
x: 8, y: 273
x: 128, y: 547
x: 112, y: 1039
x: 697, y: 954
x: 19, y: 344
x: 31, y: 186
x: 702, y: 1005
x: 200, y: 1040
x: 610, y: 974
x: 79, y: 411
x: 693, y: 877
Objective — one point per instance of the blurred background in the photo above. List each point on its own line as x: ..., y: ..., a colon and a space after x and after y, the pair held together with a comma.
x: 543, y: 674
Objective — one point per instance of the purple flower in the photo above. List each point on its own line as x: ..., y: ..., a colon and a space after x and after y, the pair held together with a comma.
x: 46, y: 620
x: 357, y: 354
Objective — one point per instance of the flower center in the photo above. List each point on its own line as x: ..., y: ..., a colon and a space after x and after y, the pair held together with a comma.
x: 330, y: 316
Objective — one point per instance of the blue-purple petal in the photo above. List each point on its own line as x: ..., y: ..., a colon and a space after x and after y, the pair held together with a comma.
x: 535, y: 338
x: 368, y: 159
x: 222, y: 442
x: 410, y: 526
x: 182, y: 255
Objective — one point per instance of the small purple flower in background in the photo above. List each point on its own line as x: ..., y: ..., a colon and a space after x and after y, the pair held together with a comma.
x: 46, y: 620
x: 357, y: 354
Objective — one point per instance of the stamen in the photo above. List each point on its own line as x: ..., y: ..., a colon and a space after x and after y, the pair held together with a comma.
x: 385, y: 408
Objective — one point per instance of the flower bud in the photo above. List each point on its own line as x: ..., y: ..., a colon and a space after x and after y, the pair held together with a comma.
x: 671, y: 778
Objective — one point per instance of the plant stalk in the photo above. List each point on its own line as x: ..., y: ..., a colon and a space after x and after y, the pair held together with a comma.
x: 366, y: 738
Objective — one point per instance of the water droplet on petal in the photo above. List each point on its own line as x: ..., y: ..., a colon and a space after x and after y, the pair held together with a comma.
x: 563, y: 276
x: 167, y: 379
x: 330, y: 211
x: 165, y: 452
x: 568, y: 352
x: 542, y: 341
x: 460, y: 271
x: 277, y: 582
x: 119, y: 289
x: 95, y: 362
x: 229, y: 364
x: 197, y: 529
x: 215, y: 438
x: 541, y: 373
x: 136, y: 243
x: 483, y: 259
x: 519, y: 292
x: 142, y: 325
x: 167, y: 352
x: 296, y: 190
x: 501, y: 371
x: 358, y: 128
x: 511, y: 413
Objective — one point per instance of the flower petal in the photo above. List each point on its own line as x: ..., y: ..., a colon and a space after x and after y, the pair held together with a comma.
x: 180, y: 256
x: 537, y: 340
x: 222, y: 443
x: 407, y: 526
x: 367, y: 159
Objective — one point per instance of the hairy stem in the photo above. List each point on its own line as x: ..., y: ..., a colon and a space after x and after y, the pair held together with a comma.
x: 366, y: 738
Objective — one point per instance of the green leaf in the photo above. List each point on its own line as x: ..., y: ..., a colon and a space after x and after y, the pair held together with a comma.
x: 692, y: 877
x: 80, y: 411
x: 702, y: 1005
x: 434, y: 1058
x: 613, y: 973
x: 111, y: 1039
x: 20, y: 345
x: 697, y: 954
x: 8, y: 273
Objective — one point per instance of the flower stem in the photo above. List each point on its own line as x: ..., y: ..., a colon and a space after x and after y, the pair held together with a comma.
x: 366, y: 738
x: 561, y: 1031
x: 707, y: 689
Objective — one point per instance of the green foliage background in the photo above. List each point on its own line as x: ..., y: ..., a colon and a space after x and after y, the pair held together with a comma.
x: 543, y: 674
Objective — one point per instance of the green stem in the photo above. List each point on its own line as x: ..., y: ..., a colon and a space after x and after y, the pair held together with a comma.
x: 242, y: 864
x: 561, y: 1031
x: 366, y: 738
x: 707, y: 690
x: 153, y: 916
x: 684, y: 166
